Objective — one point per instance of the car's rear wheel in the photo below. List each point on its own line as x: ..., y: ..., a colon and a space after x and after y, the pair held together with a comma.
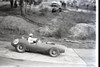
x: 54, y: 10
x: 20, y: 48
x: 60, y: 10
x: 54, y: 52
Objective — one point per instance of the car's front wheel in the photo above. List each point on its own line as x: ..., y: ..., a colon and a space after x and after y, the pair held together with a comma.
x: 20, y: 48
x: 54, y: 52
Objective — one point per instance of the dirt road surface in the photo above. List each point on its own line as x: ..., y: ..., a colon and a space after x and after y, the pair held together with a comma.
x: 9, y: 57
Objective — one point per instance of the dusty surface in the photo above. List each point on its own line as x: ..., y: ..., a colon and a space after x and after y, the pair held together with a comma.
x: 9, y: 51
x: 70, y: 57
x: 88, y: 55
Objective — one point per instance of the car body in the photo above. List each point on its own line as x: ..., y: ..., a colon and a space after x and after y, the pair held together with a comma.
x: 56, y: 7
x: 52, y: 49
x: 52, y: 6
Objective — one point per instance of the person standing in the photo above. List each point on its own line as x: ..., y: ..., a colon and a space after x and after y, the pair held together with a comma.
x: 11, y: 3
x: 15, y: 4
x: 21, y: 6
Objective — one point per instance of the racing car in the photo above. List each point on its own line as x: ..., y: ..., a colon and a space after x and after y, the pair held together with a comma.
x: 21, y: 45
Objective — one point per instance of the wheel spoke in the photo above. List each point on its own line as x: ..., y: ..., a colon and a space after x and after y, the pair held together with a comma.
x: 54, y: 52
x: 20, y: 47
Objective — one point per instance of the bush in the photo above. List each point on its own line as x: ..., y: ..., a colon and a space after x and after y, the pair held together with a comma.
x: 46, y: 31
x: 44, y: 11
x: 83, y: 31
x: 15, y: 25
x: 1, y: 18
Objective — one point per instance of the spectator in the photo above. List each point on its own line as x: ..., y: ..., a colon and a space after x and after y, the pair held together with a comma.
x: 87, y: 6
x: 21, y: 3
x: 21, y: 6
x: 77, y: 6
x: 15, y: 4
x: 63, y: 4
x: 11, y: 3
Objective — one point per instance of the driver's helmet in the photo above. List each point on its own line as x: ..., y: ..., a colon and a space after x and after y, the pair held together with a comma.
x: 30, y: 35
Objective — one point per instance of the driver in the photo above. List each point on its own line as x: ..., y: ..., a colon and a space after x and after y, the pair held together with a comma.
x: 31, y: 39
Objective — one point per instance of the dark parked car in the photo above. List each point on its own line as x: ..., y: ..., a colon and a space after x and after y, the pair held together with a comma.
x: 56, y: 7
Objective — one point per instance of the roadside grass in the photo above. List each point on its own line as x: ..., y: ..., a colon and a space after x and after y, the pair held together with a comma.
x: 64, y: 22
x: 69, y: 43
x: 92, y: 8
x: 5, y: 10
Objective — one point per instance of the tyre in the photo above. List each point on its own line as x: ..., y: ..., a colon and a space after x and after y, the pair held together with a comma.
x: 15, y: 42
x: 54, y: 10
x: 60, y: 10
x: 20, y: 48
x: 54, y: 52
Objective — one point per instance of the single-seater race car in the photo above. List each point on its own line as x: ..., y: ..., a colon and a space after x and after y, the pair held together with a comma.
x: 22, y: 45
